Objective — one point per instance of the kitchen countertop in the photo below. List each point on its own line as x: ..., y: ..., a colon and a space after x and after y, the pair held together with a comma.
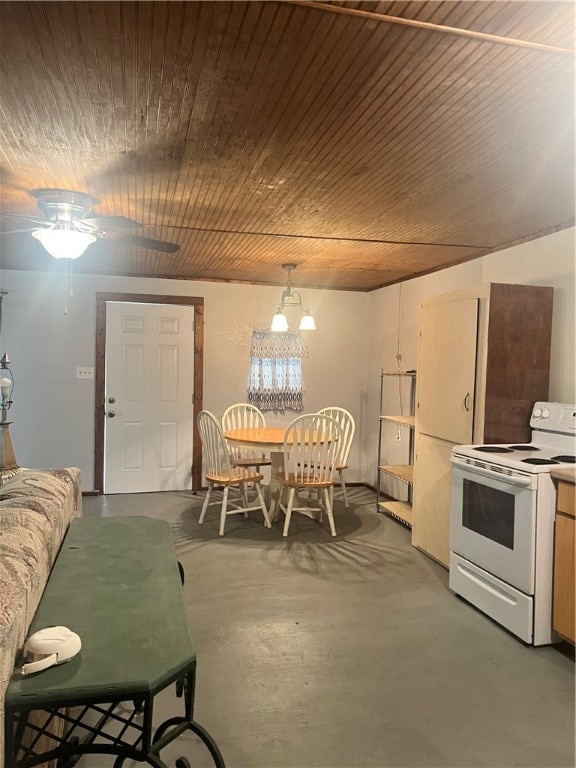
x: 568, y: 474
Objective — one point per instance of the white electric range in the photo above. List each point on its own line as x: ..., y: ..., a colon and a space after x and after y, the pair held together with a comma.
x: 502, y: 523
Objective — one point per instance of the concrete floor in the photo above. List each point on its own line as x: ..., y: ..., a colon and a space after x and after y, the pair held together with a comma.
x: 316, y: 652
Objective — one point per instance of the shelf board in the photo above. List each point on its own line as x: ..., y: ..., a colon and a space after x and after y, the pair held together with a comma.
x: 399, y: 373
x: 402, y: 472
x: 406, y: 421
x: 402, y: 510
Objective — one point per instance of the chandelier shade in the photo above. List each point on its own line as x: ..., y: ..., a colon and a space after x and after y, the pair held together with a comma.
x: 291, y: 298
x: 64, y: 243
x: 279, y: 322
x: 307, y: 322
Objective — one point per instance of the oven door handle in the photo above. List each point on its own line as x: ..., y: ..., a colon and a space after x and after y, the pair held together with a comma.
x: 505, y: 478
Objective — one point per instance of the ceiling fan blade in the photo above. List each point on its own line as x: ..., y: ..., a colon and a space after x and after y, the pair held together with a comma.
x: 110, y: 222
x: 146, y: 242
x: 15, y: 231
x: 31, y: 219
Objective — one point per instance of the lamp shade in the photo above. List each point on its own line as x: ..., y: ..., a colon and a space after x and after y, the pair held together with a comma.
x: 64, y: 243
x: 279, y: 322
x: 307, y: 322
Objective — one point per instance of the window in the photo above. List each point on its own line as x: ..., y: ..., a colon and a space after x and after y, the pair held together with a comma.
x: 276, y: 370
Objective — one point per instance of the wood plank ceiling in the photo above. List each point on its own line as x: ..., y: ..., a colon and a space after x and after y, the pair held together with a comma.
x: 257, y: 133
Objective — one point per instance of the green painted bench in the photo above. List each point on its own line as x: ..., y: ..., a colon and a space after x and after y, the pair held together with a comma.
x: 117, y: 583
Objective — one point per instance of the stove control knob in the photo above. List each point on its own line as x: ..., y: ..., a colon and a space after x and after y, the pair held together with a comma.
x: 537, y: 413
x: 545, y: 413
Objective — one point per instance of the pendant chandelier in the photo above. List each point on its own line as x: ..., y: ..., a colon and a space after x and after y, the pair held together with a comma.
x: 291, y: 298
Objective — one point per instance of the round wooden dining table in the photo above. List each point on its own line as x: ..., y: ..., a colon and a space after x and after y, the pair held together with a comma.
x: 263, y: 440
x: 266, y: 440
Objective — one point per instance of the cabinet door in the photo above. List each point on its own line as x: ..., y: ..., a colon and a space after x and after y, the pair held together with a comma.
x: 563, y: 613
x: 447, y: 370
x: 431, y: 502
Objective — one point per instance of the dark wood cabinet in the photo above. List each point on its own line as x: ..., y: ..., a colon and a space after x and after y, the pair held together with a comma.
x: 518, y: 359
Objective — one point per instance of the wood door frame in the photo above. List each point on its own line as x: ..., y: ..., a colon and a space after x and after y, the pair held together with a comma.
x: 100, y: 371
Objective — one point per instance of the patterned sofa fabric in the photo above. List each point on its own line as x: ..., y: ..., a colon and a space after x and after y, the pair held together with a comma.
x: 36, y: 507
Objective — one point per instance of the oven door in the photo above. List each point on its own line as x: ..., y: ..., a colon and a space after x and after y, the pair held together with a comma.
x: 493, y: 521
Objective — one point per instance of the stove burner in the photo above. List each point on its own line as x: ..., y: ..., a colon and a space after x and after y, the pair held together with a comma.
x: 493, y: 449
x: 540, y: 461
x: 565, y: 459
x: 524, y: 447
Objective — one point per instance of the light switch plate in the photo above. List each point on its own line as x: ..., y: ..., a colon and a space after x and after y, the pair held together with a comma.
x: 84, y: 372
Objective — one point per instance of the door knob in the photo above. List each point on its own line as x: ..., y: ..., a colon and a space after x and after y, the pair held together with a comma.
x: 111, y: 400
x: 111, y: 414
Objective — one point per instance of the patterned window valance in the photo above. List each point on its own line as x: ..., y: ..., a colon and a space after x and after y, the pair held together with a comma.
x: 276, y: 382
x: 266, y: 343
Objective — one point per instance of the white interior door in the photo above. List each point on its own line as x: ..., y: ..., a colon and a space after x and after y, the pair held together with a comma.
x: 149, y: 385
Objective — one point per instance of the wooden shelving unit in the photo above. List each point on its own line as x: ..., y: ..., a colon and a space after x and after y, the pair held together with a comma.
x: 400, y: 510
x: 406, y: 421
x: 402, y: 472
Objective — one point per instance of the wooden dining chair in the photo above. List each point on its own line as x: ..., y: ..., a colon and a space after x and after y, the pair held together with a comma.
x: 219, y: 471
x: 348, y: 426
x: 311, y: 453
x: 242, y: 416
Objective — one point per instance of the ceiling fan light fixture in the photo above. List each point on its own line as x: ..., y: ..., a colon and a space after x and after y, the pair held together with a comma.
x: 64, y: 243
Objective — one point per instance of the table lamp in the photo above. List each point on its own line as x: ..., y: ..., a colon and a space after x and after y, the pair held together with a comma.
x: 8, y: 465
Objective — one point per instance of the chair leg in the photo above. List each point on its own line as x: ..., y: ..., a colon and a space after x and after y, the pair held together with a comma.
x: 344, y: 491
x: 267, y: 523
x: 289, y: 511
x: 206, y: 502
x: 275, y: 502
x: 223, y: 510
x: 244, y: 492
x: 272, y: 510
x: 329, y: 511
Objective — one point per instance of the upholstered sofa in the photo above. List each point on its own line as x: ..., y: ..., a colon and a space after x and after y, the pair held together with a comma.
x: 36, y: 507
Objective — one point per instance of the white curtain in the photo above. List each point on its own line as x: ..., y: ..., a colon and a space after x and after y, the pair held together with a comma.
x: 275, y: 382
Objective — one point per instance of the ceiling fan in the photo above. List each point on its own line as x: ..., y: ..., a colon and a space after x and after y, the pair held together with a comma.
x: 67, y: 230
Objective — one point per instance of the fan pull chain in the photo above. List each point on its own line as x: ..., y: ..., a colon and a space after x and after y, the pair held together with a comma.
x: 68, y: 287
x: 71, y: 279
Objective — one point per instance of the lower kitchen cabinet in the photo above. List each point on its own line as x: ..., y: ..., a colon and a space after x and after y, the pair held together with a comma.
x: 431, y: 528
x: 563, y: 618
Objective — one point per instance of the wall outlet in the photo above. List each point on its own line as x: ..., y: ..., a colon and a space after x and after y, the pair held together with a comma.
x: 84, y: 372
